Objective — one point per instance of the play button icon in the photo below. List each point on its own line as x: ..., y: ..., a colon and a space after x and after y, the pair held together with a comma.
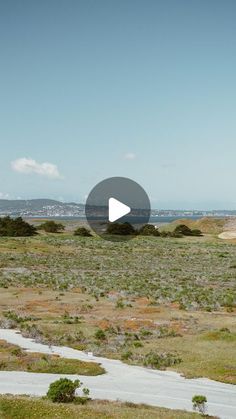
x: 117, y: 200
x: 117, y: 210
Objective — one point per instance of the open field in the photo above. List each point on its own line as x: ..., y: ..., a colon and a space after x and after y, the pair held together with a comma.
x: 23, y: 407
x: 163, y: 303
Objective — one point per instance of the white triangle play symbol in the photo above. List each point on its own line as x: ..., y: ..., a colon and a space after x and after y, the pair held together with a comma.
x: 117, y: 209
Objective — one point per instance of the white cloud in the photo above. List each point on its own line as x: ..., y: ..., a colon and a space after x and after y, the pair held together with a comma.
x: 129, y: 156
x: 28, y: 166
x: 4, y: 195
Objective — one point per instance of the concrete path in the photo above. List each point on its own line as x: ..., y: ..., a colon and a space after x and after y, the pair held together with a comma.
x: 122, y: 381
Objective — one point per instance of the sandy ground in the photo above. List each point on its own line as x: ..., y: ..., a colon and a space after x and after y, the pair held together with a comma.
x: 228, y: 235
x: 230, y: 230
x: 121, y: 381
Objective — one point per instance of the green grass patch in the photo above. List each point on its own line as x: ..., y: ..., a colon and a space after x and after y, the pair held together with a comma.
x: 22, y: 407
x: 13, y: 358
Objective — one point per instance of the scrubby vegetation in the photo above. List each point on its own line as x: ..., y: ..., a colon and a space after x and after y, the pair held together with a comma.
x: 82, y: 231
x: 208, y: 225
x: 13, y: 358
x: 180, y: 230
x: 149, y: 230
x: 162, y: 360
x: 194, y: 274
x: 150, y: 297
x: 51, y: 227
x: 184, y: 230
x: 122, y: 229
x: 16, y: 227
x: 31, y: 407
x: 64, y: 391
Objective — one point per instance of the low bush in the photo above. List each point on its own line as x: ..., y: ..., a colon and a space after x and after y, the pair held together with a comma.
x: 16, y: 227
x: 161, y: 361
x: 100, y: 334
x: 199, y: 403
x: 184, y: 230
x: 196, y: 232
x: 120, y: 229
x: 63, y: 390
x: 149, y: 230
x: 51, y: 227
x: 82, y: 231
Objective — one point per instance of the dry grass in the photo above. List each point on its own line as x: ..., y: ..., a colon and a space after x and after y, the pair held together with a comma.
x: 208, y: 225
x: 203, y: 352
x: 75, y: 286
x: 22, y: 407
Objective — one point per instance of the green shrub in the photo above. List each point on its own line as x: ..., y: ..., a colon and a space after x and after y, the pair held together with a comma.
x: 161, y: 361
x: 149, y: 230
x: 199, y: 403
x: 17, y: 352
x: 165, y: 233
x: 196, y: 232
x: 11, y: 315
x: 120, y: 229
x: 51, y: 227
x: 184, y: 230
x: 126, y: 355
x: 63, y: 390
x: 120, y: 303
x: 146, y: 332
x: 16, y: 227
x: 100, y: 334
x: 82, y: 231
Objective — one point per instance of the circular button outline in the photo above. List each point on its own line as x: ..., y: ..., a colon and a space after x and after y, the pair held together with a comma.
x: 128, y: 192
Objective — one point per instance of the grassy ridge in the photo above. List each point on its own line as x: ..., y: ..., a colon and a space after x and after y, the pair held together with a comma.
x: 208, y: 225
x: 22, y: 407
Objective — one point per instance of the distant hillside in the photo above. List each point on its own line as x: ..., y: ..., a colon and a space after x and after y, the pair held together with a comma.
x: 39, y: 207
x: 22, y: 203
x: 206, y: 224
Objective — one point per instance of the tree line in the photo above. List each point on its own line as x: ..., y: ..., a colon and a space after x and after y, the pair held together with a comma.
x: 17, y: 227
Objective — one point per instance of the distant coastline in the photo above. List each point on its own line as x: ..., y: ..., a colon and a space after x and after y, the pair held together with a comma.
x: 47, y: 208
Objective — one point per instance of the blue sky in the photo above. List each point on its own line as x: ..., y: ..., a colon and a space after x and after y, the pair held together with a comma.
x: 143, y: 89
